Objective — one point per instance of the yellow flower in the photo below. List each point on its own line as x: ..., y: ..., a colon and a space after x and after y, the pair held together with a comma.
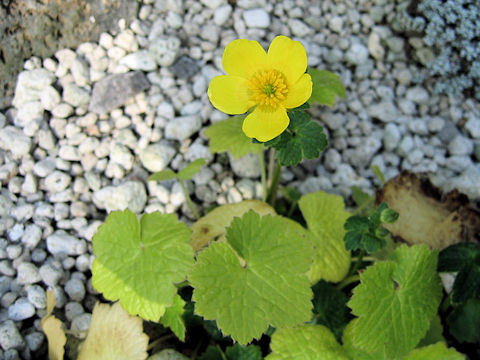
x: 270, y: 83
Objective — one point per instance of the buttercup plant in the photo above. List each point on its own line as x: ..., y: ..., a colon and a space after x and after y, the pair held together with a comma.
x: 282, y: 288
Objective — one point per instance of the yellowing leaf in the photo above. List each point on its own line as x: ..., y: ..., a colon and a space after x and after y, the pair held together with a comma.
x: 114, y: 334
x: 52, y: 327
x: 214, y: 224
x: 325, y: 215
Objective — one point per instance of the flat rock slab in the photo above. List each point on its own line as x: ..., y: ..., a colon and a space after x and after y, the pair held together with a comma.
x: 115, y: 90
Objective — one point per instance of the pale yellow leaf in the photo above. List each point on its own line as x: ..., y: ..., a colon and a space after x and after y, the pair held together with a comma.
x: 214, y: 224
x: 52, y: 327
x: 114, y: 334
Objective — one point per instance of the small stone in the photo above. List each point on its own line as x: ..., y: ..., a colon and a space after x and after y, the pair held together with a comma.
x: 115, y: 90
x: 80, y: 72
x: 62, y: 243
x: 30, y: 85
x: 385, y: 111
x: 75, y: 289
x: 129, y: 195
x: 391, y: 137
x: 75, y: 95
x: 31, y: 236
x: 6, y: 268
x: 73, y: 309
x: 30, y: 112
x: 473, y: 127
x: 51, y: 274
x: 405, y: 146
x: 120, y: 154
x: 213, y: 4
x: 20, y: 310
x: 375, y: 47
x: 140, y: 60
x: 156, y: 157
x: 62, y: 110
x: 247, y: 166
x: 27, y: 273
x: 184, y: 67
x: 12, y: 139
x: 57, y: 181
x: 80, y: 325
x: 126, y: 40
x: 460, y: 145
x: 181, y: 128
x: 44, y: 167
x: 299, y: 28
x: 357, y: 54
x: 336, y: 24
x: 37, y: 296
x: 10, y: 337
x: 222, y: 14
x: 164, y: 50
x: 256, y: 18
x: 34, y: 340
x: 418, y: 95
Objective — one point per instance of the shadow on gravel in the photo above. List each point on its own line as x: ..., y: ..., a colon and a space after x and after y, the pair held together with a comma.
x: 40, y: 27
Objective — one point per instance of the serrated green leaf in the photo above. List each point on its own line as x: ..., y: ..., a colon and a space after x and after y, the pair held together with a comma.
x: 163, y: 175
x: 306, y: 342
x: 254, y: 279
x: 360, y: 197
x: 240, y: 352
x: 354, y: 352
x: 139, y: 262
x: 464, y: 321
x: 303, y: 139
x: 228, y: 136
x: 435, y: 352
x: 173, y: 318
x: 396, y: 301
x: 326, y: 87
x: 330, y: 307
x: 191, y: 169
x: 325, y: 215
x: 214, y: 224
x: 464, y: 258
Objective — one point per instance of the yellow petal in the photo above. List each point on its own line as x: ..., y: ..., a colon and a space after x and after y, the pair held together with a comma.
x: 299, y: 92
x: 289, y: 57
x: 229, y: 94
x: 265, y: 123
x: 243, y: 57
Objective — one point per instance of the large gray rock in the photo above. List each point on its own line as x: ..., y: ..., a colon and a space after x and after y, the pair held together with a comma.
x: 115, y: 90
x: 10, y: 337
x: 130, y: 195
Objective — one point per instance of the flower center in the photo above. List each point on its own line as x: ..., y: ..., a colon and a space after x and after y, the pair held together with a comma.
x: 268, y: 87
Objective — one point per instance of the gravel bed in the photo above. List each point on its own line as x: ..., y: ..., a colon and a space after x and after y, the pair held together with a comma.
x: 90, y: 124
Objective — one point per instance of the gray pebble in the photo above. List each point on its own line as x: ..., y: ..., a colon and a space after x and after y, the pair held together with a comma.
x: 75, y: 289
x: 460, y: 145
x: 37, y: 296
x: 51, y: 273
x: 22, y: 309
x: 73, y: 309
x: 34, y: 340
x: 10, y: 337
x: 62, y: 243
x: 28, y: 273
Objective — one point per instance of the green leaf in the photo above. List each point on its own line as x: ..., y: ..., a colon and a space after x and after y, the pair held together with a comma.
x: 464, y: 321
x: 240, y: 352
x: 378, y: 172
x: 354, y: 352
x: 360, y: 197
x: 435, y: 352
x: 303, y: 139
x: 173, y: 318
x: 434, y: 333
x: 214, y: 224
x: 464, y: 258
x: 306, y: 342
x: 326, y: 87
x: 139, y: 262
x: 366, y: 232
x: 213, y: 353
x: 228, y: 136
x: 254, y: 279
x: 191, y: 169
x: 395, y: 301
x: 163, y: 175
x: 325, y: 215
x: 330, y: 307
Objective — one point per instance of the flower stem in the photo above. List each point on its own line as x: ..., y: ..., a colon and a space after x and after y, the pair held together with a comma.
x: 358, y: 262
x: 274, y: 185
x: 263, y: 175
x: 347, y: 281
x: 190, y: 203
x: 159, y: 341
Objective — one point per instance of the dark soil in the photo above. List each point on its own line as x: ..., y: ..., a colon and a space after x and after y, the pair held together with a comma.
x: 41, y: 27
